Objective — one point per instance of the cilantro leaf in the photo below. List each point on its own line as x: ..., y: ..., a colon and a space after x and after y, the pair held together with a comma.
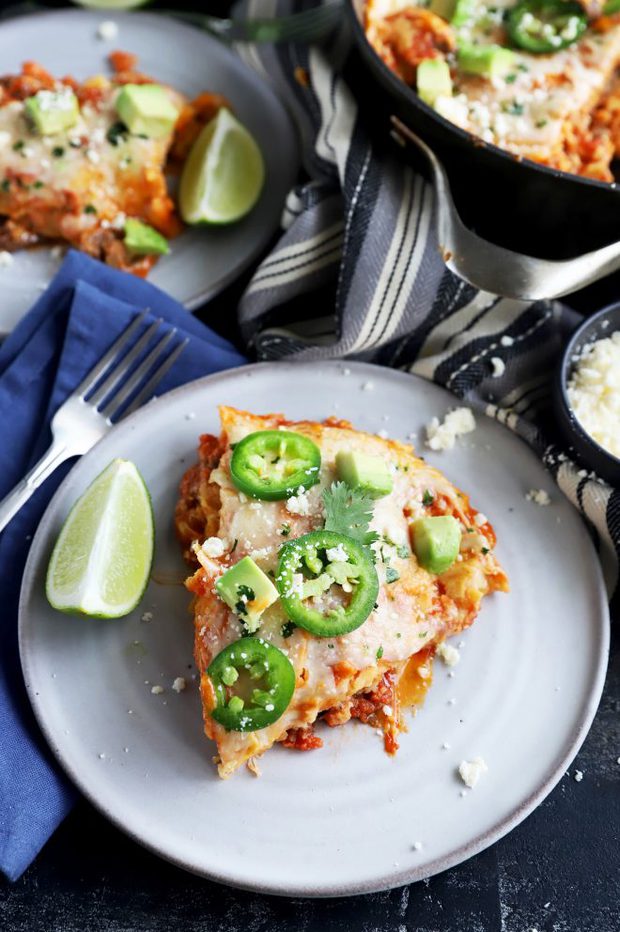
x: 349, y: 511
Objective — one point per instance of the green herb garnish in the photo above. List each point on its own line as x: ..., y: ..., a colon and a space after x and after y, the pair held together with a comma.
x: 349, y: 511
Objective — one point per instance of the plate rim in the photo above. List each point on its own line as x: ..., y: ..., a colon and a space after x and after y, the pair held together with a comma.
x: 394, y: 878
x: 206, y: 295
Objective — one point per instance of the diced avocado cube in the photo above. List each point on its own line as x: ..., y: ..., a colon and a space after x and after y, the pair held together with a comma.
x: 490, y: 61
x: 433, y: 80
x: 464, y: 12
x: 52, y: 112
x: 247, y: 591
x: 361, y: 471
x: 443, y: 8
x: 143, y: 240
x: 436, y: 542
x: 146, y: 110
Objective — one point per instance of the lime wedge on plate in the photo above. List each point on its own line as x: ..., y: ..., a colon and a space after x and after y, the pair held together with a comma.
x: 223, y: 175
x: 102, y: 559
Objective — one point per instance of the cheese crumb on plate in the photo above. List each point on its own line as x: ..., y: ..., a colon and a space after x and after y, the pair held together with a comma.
x: 107, y: 30
x: 448, y: 654
x: 538, y: 496
x: 442, y: 435
x: 470, y: 771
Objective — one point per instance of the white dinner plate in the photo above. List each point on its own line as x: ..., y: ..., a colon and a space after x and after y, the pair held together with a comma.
x: 202, y: 261
x: 346, y: 818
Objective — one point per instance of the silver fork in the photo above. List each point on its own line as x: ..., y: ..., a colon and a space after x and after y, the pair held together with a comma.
x: 307, y: 26
x: 87, y: 415
x: 496, y: 269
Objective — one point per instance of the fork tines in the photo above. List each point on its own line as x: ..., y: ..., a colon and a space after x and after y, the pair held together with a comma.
x: 128, y: 370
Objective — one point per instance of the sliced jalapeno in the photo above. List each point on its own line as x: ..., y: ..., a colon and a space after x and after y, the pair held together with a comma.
x: 275, y: 464
x: 543, y: 26
x: 253, y: 683
x: 327, y: 583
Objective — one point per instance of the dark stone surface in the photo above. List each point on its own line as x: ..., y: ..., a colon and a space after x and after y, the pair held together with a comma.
x: 557, y: 872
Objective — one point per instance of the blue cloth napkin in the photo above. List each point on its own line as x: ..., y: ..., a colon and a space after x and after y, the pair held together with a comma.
x: 79, y: 316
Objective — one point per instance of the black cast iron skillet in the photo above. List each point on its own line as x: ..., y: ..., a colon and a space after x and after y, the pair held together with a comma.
x: 513, y: 202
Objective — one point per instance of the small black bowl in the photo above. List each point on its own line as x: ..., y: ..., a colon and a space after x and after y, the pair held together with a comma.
x: 585, y: 450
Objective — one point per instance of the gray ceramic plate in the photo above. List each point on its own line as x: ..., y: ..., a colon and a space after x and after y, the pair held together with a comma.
x: 344, y: 819
x: 202, y: 261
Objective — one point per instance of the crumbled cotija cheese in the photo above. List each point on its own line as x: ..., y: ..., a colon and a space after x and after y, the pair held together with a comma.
x: 470, y: 771
x: 298, y: 504
x: 213, y: 547
x: 179, y: 684
x: 538, y: 496
x: 107, y: 30
x: 448, y: 654
x: 441, y: 436
x: 337, y: 554
x: 594, y: 392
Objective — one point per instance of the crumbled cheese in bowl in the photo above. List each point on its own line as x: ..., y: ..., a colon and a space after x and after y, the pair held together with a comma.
x: 594, y: 392
x: 442, y: 435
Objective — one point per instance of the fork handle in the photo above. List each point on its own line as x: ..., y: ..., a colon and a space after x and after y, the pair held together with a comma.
x: 56, y: 454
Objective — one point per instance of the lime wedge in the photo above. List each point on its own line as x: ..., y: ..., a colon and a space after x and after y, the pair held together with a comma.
x: 112, y: 4
x: 102, y: 559
x: 223, y: 175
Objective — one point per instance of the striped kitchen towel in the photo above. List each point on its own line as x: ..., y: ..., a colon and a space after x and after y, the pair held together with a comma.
x: 363, y: 225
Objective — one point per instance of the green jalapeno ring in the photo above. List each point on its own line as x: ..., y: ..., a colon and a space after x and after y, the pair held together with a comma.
x: 263, y: 671
x: 545, y: 26
x: 362, y: 571
x: 275, y: 464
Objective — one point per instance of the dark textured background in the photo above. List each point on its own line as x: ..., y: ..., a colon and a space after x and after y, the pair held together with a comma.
x: 557, y: 872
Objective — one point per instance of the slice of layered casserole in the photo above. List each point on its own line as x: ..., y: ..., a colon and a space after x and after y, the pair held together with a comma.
x: 84, y: 163
x: 329, y: 565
